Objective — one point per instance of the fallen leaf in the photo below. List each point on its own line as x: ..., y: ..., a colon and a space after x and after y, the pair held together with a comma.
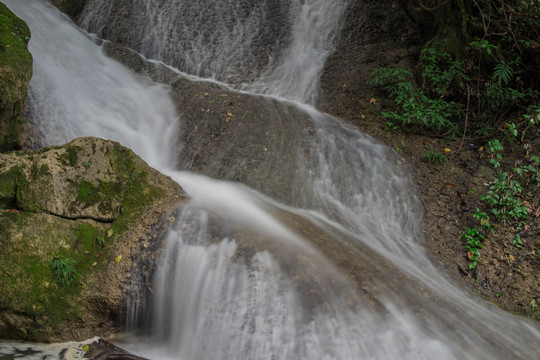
x: 372, y: 101
x: 94, y: 263
x: 85, y: 347
x: 145, y: 191
x: 469, y: 255
x: 228, y: 119
x: 118, y: 258
x: 110, y: 233
x: 230, y: 114
x: 447, y: 150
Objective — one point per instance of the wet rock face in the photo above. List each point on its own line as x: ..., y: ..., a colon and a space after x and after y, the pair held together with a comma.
x: 15, y: 74
x: 230, y: 135
x: 231, y: 41
x: 374, y: 34
x: 93, y: 203
x: 73, y: 8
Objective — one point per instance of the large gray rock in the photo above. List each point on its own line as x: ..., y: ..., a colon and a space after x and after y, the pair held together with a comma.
x: 94, y: 202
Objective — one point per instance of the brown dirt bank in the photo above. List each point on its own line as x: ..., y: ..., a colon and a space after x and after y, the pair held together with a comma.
x: 505, y: 275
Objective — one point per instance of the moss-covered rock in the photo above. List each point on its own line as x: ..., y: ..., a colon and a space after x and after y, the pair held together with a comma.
x: 92, y: 203
x: 15, y: 75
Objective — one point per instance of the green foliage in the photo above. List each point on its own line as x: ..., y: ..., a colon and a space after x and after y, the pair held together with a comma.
x: 100, y: 241
x: 416, y: 109
x: 473, y: 243
x: 531, y: 171
x: 502, y: 73
x: 533, y: 115
x: 503, y: 199
x: 441, y: 74
x: 494, y: 147
x: 483, y: 219
x: 436, y: 157
x: 493, y: 70
x: 517, y: 242
x: 64, y: 271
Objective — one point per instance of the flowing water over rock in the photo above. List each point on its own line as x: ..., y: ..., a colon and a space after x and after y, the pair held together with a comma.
x: 337, y: 272
x: 274, y: 47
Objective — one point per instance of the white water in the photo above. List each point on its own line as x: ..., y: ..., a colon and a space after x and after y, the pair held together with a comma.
x: 287, y: 301
x: 275, y: 47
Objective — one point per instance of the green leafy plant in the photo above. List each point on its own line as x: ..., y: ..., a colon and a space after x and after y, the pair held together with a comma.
x: 473, y: 243
x: 483, y: 219
x: 416, y: 109
x: 517, y: 242
x: 503, y: 200
x: 502, y: 73
x: 436, y: 157
x: 63, y: 271
x: 531, y: 171
x: 100, y: 241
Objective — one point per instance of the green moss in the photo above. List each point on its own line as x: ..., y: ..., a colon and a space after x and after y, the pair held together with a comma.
x: 31, y: 240
x: 88, y: 193
x: 15, y: 74
x: 137, y: 197
x: 39, y: 171
x: 104, y: 194
x: 11, y: 182
x: 8, y: 188
x: 29, y: 286
x: 71, y: 156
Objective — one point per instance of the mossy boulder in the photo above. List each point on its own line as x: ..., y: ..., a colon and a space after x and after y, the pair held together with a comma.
x: 92, y: 203
x: 15, y: 75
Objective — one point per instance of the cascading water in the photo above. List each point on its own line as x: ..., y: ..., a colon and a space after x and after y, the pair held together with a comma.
x: 240, y: 277
x: 275, y: 47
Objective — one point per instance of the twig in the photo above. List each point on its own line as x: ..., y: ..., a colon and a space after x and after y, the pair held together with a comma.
x: 466, y: 118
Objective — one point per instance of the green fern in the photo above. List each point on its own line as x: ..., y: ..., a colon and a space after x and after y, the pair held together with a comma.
x: 502, y: 73
x: 64, y: 271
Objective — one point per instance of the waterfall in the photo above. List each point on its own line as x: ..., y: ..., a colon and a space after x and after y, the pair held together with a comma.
x: 275, y: 47
x: 240, y: 277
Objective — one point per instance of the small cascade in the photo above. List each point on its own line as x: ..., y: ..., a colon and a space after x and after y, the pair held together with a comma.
x: 295, y: 75
x: 273, y: 47
x: 227, y: 40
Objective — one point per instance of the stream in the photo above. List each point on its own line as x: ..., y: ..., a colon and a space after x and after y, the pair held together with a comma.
x: 243, y: 275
